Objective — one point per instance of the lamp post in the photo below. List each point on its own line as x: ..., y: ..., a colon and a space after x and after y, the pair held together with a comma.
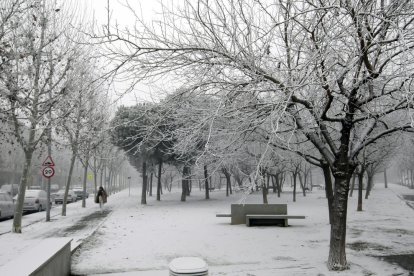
x: 129, y: 184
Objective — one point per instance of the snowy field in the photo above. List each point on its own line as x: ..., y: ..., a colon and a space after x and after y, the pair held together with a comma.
x: 131, y: 239
x: 146, y: 238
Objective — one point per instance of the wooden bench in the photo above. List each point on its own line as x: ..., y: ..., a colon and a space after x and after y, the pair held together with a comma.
x: 265, y: 220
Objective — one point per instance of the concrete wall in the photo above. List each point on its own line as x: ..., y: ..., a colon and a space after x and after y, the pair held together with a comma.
x: 239, y: 211
x: 49, y: 257
x: 58, y: 264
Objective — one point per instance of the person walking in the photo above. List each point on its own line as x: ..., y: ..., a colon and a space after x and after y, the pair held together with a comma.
x: 101, y: 197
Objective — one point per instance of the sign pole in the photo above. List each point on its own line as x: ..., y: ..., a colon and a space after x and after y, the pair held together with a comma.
x: 49, y: 153
x: 48, y: 172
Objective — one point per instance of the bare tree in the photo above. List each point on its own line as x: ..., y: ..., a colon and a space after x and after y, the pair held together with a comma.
x: 34, y: 77
x: 331, y: 73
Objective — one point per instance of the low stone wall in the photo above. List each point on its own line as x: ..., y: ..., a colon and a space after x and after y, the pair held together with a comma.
x: 239, y: 211
x: 50, y: 257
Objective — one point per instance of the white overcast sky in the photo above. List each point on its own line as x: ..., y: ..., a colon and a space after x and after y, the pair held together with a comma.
x: 97, y: 10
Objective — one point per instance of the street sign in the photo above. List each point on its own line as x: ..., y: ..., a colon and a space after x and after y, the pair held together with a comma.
x: 48, y: 162
x: 90, y: 176
x: 48, y: 172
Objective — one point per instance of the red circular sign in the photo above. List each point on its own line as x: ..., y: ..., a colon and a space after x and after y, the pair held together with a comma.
x: 48, y: 172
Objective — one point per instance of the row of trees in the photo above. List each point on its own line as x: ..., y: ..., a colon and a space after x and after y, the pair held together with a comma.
x: 330, y: 81
x: 52, y: 93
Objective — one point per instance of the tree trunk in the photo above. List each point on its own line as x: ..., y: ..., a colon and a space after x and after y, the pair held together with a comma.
x: 279, y: 184
x: 85, y: 177
x: 352, y: 185
x: 411, y: 179
x: 100, y: 180
x: 159, y: 180
x: 206, y: 187
x: 385, y: 179
x: 189, y: 182
x: 68, y: 181
x: 294, y: 186
x: 360, y: 187
x: 337, y: 255
x: 369, y: 185
x: 311, y: 179
x: 264, y: 193
x: 302, y: 184
x: 18, y: 212
x: 262, y: 179
x: 184, y: 185
x: 144, y: 183
x: 228, y: 180
x: 273, y: 183
x: 150, y: 185
x: 328, y: 189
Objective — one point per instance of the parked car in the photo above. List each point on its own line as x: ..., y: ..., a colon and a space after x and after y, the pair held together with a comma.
x: 54, y: 188
x: 61, y: 194
x: 6, y: 205
x: 11, y: 189
x: 79, y: 193
x: 35, y: 188
x: 34, y: 200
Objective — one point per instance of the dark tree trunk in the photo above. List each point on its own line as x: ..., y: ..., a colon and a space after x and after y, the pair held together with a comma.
x: 206, y: 187
x: 411, y: 179
x: 184, y: 185
x: 189, y: 182
x: 352, y: 185
x: 302, y: 183
x: 328, y: 189
x: 337, y: 255
x: 273, y: 177
x: 294, y: 186
x: 311, y: 179
x: 18, y: 212
x: 360, y: 187
x: 369, y: 184
x: 385, y: 179
x: 144, y: 183
x: 264, y: 193
x: 150, y: 185
x: 279, y: 179
x: 262, y: 179
x: 159, y: 180
x: 228, y: 181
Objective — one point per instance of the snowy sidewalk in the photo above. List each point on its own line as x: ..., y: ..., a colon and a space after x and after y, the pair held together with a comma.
x: 142, y: 240
x: 78, y: 224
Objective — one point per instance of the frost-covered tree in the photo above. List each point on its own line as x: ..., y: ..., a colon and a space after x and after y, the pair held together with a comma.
x: 321, y: 71
x: 33, y: 76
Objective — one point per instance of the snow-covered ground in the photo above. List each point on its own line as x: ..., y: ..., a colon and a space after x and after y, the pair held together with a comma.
x: 132, y: 239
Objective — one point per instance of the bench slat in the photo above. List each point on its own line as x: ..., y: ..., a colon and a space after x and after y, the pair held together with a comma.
x: 223, y: 215
x: 274, y: 216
